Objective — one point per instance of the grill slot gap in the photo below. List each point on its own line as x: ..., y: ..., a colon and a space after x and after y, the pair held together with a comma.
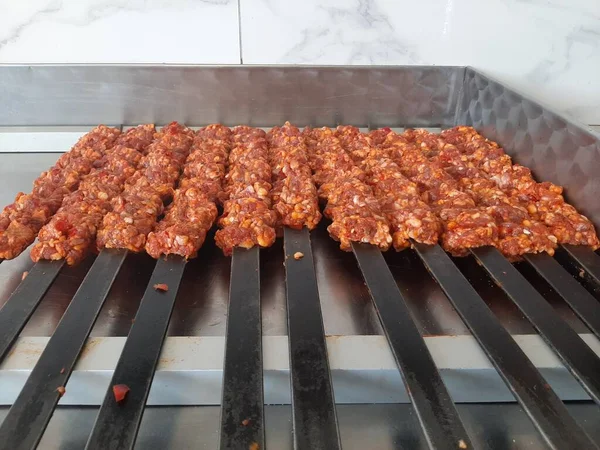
x: 24, y: 300
x: 576, y: 296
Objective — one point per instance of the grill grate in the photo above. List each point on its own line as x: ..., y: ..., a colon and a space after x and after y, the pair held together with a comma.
x: 313, y: 403
x: 314, y: 417
x: 436, y: 412
x: 117, y: 424
x: 577, y: 356
x: 586, y: 259
x: 22, y: 303
x: 576, y: 296
x: 543, y: 406
x: 242, y: 412
x: 24, y: 426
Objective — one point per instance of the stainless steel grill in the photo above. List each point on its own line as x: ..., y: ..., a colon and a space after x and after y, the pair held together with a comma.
x: 344, y: 338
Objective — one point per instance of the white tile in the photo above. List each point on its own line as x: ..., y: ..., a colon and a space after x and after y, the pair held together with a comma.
x: 119, y: 31
x: 549, y: 49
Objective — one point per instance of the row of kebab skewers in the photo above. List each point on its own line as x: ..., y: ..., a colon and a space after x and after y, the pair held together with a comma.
x: 161, y: 191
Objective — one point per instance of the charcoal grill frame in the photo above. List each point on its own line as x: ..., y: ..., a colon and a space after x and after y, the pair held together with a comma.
x: 555, y: 148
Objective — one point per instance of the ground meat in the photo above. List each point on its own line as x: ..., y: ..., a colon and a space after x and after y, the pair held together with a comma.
x: 138, y: 138
x: 467, y: 228
x: 72, y: 231
x: 397, y: 196
x: 193, y: 211
x: 463, y: 225
x: 354, y: 210
x: 21, y: 221
x: 294, y: 195
x: 518, y: 233
x: 183, y: 230
x: 136, y: 210
x: 543, y: 201
x: 247, y: 219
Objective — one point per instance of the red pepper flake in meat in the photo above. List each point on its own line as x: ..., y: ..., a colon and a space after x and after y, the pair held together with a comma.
x: 61, y: 391
x: 120, y: 392
x: 161, y: 287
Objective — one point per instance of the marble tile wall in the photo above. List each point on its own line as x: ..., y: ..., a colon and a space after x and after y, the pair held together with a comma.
x: 547, y: 48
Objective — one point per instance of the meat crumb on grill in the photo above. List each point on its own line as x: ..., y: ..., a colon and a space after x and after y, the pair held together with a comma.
x: 246, y: 422
x: 24, y: 275
x: 161, y: 287
x: 462, y: 444
x: 62, y: 370
x: 298, y: 255
x: 120, y: 392
x: 61, y: 390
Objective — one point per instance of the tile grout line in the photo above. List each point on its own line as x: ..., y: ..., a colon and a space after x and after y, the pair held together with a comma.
x: 239, y: 2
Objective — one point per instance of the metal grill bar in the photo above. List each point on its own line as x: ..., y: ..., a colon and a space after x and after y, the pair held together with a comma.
x: 117, y: 424
x: 22, y: 303
x: 313, y: 404
x: 587, y: 259
x: 242, y: 405
x: 27, y: 419
x: 541, y: 404
x: 575, y: 354
x: 577, y: 297
x: 436, y: 412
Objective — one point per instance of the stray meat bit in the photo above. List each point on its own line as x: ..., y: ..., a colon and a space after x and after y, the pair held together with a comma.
x: 120, y: 392
x: 24, y: 275
x: 581, y: 273
x: 246, y: 422
x: 298, y: 255
x: 61, y: 390
x: 254, y: 446
x: 161, y: 287
x: 462, y: 444
x: 62, y: 370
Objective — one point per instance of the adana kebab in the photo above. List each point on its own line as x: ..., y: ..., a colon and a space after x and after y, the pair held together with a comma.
x: 464, y: 225
x: 71, y: 233
x: 380, y: 188
x: 544, y: 201
x: 247, y: 218
x: 294, y: 195
x: 21, y: 221
x: 351, y: 205
x: 137, y: 209
x: 191, y: 215
x: 408, y: 215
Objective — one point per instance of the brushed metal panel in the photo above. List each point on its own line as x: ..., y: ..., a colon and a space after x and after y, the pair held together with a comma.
x: 255, y: 95
x: 554, y: 147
